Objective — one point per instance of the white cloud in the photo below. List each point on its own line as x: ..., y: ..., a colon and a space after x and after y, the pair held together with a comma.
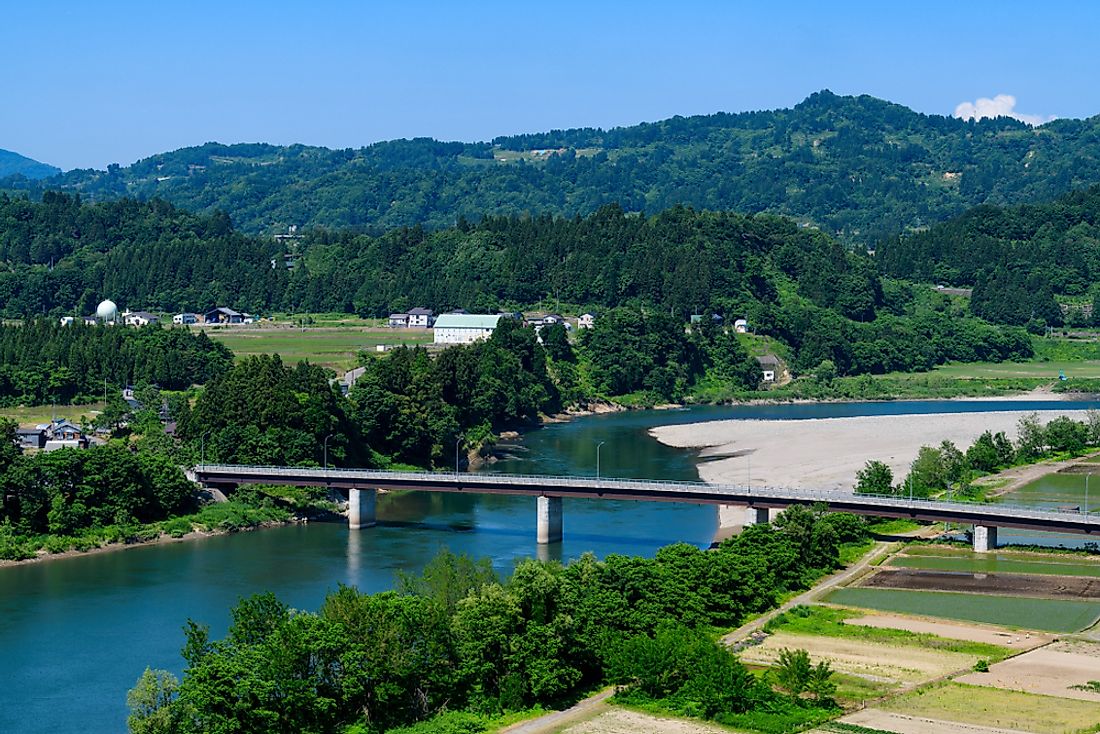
x: 1003, y: 105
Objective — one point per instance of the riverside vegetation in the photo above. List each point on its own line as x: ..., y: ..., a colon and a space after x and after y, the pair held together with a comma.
x: 456, y: 647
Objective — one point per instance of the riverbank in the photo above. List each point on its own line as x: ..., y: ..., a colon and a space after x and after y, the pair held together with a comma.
x: 825, y: 453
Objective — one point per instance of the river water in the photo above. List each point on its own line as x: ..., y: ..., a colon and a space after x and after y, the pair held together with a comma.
x: 76, y: 633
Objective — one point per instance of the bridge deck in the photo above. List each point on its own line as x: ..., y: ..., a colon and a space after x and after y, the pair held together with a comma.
x: 994, y: 515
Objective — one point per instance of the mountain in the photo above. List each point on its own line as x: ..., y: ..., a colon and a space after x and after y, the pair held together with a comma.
x: 857, y: 167
x: 13, y: 164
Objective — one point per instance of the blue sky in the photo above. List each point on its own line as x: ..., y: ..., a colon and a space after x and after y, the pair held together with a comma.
x: 87, y: 84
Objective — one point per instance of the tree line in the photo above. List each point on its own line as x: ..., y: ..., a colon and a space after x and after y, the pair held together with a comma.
x: 42, y: 362
x: 458, y: 639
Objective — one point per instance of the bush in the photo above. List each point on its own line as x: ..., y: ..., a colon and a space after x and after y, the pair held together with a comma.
x: 177, y: 527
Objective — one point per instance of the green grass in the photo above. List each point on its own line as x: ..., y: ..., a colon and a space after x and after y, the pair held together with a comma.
x: 996, y: 563
x: 44, y: 413
x: 994, y: 707
x: 1049, y: 615
x: 893, y: 527
x: 829, y: 622
x: 331, y: 347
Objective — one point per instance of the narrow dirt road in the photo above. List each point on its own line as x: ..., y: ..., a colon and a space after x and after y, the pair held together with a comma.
x: 590, y: 706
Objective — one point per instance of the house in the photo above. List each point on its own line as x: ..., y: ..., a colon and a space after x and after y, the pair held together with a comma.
x: 587, y: 320
x: 769, y: 366
x: 697, y: 318
x: 186, y: 319
x: 398, y: 320
x: 540, y: 320
x: 223, y: 315
x: 741, y: 326
x: 90, y: 321
x: 61, y: 434
x: 68, y: 320
x: 454, y: 328
x: 421, y: 318
x: 139, y: 318
x: 31, y: 438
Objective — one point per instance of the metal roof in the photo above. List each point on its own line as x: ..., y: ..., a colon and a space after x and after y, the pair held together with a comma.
x: 467, y: 321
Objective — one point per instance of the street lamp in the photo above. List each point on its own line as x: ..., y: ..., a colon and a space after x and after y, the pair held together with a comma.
x: 202, y: 455
x: 601, y: 443
x: 1087, y: 493
x: 325, y: 443
x: 458, y: 443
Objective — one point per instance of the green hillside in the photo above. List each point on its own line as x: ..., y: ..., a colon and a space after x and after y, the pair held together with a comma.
x: 858, y: 167
x: 13, y: 164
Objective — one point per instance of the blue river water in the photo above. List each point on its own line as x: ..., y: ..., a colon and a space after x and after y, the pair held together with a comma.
x: 76, y: 633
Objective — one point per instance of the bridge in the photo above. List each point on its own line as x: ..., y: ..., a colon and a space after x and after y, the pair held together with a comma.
x: 361, y: 485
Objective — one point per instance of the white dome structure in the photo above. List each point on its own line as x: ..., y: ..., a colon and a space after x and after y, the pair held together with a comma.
x: 106, y: 311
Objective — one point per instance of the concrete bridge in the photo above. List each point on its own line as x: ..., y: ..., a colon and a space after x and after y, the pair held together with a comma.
x: 360, y: 486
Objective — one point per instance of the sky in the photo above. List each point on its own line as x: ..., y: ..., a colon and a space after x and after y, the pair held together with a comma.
x: 92, y: 83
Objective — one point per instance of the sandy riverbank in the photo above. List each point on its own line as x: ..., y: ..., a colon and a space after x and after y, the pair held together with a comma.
x: 826, y: 453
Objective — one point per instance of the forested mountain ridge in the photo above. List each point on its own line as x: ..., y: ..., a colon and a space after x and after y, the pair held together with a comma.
x: 14, y: 164
x: 859, y: 167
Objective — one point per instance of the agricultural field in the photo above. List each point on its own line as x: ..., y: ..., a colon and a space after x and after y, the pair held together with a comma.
x: 969, y: 562
x: 1063, y: 669
x: 993, y: 707
x: 1048, y: 615
x: 333, y: 347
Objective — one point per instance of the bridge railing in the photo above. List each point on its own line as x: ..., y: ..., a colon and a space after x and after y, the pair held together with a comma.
x: 612, y: 483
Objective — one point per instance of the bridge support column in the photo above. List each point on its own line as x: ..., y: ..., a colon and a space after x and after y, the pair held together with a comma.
x: 361, y: 508
x: 985, y: 538
x: 755, y: 515
x: 549, y: 519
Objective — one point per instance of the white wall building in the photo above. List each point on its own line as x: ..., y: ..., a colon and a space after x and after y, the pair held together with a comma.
x: 464, y: 328
x: 586, y: 321
x: 741, y: 326
x: 420, y: 318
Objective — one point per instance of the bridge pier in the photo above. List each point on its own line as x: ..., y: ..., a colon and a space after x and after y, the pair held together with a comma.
x: 985, y: 538
x: 361, y: 508
x: 549, y: 519
x: 755, y: 516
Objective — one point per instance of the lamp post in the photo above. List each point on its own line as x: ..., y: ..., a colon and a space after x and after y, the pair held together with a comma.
x: 601, y: 443
x: 1087, y: 493
x: 458, y: 443
x: 202, y: 455
x: 325, y: 444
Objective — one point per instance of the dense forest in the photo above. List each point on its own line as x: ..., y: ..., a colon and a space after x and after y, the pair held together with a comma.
x: 42, y: 362
x: 1016, y: 258
x: 859, y: 167
x: 461, y: 643
x: 791, y: 282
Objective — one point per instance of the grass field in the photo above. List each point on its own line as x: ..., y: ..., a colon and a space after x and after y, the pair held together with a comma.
x: 996, y: 563
x: 1009, y: 370
x: 1048, y: 615
x: 44, y: 413
x: 998, y: 708
x: 331, y: 347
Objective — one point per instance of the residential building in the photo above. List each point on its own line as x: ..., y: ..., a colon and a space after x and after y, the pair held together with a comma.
x: 769, y: 367
x: 186, y: 319
x: 31, y: 438
x: 540, y: 320
x: 454, y: 328
x: 741, y: 326
x: 398, y: 320
x: 421, y: 318
x: 139, y: 318
x: 61, y: 434
x: 587, y: 320
x: 223, y: 315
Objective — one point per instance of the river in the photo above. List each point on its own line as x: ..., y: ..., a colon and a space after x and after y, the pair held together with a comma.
x: 76, y: 633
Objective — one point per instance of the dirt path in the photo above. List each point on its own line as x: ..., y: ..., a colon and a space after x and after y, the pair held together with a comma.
x: 879, y: 550
x: 589, y: 707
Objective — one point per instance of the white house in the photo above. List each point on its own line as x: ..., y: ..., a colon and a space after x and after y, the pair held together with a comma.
x: 420, y: 318
x: 185, y: 319
x: 769, y: 366
x: 586, y: 321
x: 460, y: 328
x: 139, y: 318
x: 741, y: 326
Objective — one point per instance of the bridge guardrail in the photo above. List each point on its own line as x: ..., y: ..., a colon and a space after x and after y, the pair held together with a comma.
x: 606, y: 483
